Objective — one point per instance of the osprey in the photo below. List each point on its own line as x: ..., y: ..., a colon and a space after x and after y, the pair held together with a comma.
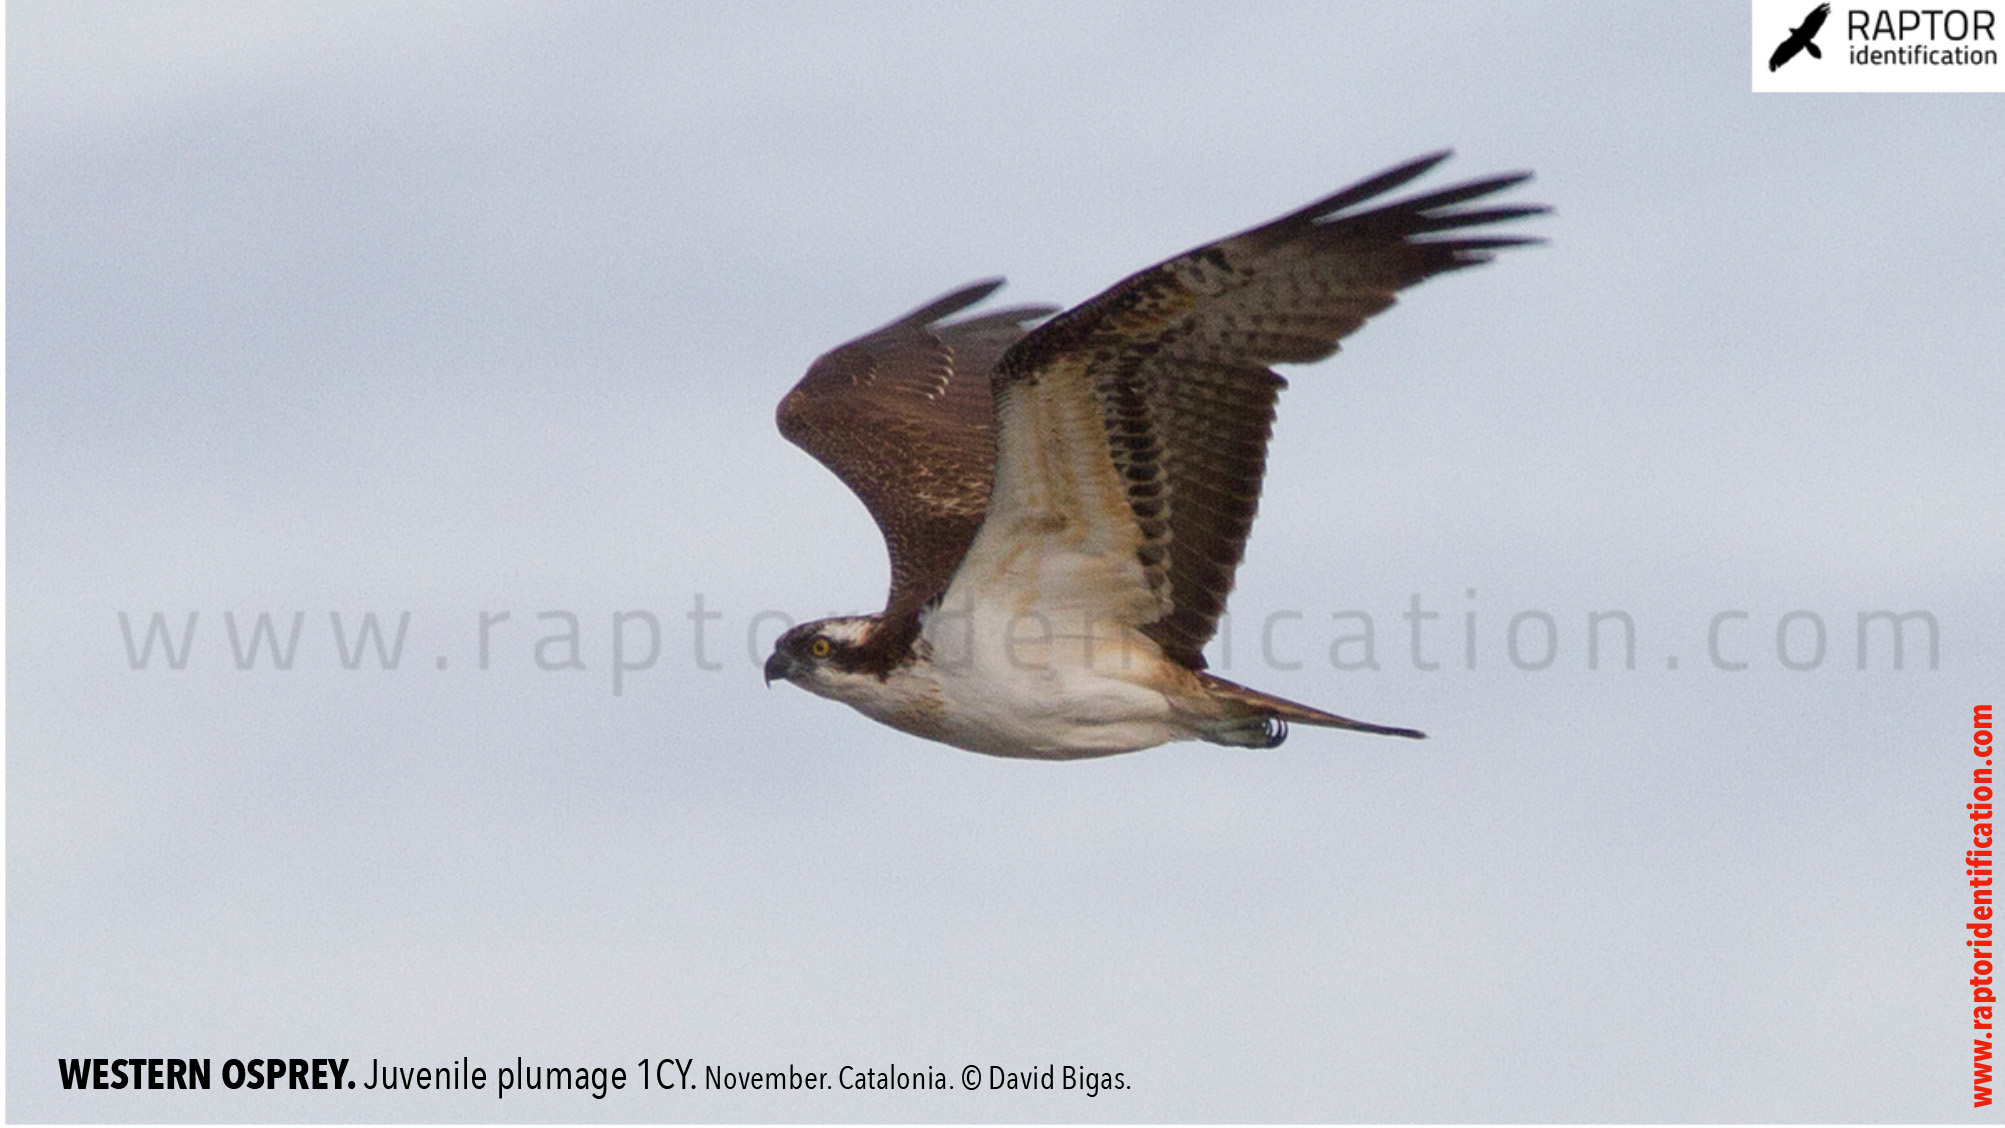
x: 1065, y: 504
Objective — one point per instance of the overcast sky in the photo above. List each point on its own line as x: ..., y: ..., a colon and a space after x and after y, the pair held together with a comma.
x: 454, y: 310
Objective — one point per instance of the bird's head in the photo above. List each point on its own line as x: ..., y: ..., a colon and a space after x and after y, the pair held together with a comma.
x: 823, y: 657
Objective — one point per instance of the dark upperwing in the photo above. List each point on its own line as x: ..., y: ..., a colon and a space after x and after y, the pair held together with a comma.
x: 903, y: 416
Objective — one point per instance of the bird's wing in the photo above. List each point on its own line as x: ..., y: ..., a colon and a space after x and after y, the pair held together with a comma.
x: 1813, y: 21
x: 903, y: 416
x: 1786, y: 51
x: 1132, y: 429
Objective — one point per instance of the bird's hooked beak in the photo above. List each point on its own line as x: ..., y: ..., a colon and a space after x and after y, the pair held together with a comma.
x: 781, y: 667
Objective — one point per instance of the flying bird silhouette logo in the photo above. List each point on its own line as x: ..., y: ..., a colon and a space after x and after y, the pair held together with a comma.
x: 1800, y: 38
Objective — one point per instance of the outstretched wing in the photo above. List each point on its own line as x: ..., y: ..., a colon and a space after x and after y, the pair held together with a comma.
x: 1786, y: 51
x: 1133, y: 429
x: 1813, y: 21
x: 903, y: 416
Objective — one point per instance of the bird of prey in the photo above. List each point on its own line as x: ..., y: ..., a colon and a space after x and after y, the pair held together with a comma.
x: 1800, y: 38
x: 1065, y: 500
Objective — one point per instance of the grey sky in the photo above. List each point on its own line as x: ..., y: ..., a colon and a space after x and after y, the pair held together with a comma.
x: 462, y: 309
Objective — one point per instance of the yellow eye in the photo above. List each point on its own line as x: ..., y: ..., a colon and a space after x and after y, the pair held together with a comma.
x: 820, y: 648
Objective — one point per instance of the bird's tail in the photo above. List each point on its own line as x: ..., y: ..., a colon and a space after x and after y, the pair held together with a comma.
x: 1252, y: 704
x: 1814, y: 52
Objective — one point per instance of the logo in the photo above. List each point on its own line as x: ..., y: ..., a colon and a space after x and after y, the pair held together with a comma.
x: 1869, y: 46
x: 1802, y: 37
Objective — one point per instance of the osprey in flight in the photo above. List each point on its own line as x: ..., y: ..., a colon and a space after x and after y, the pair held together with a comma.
x: 1065, y: 502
